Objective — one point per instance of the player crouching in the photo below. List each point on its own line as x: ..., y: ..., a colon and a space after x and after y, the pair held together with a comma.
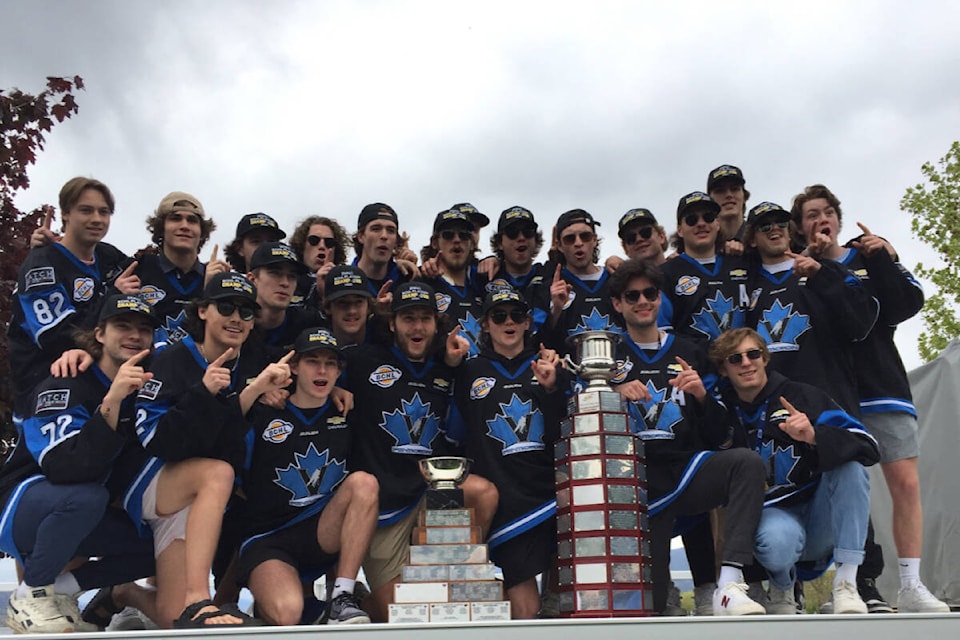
x: 304, y: 510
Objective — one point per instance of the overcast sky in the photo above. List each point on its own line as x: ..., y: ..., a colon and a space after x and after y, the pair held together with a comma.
x: 301, y: 108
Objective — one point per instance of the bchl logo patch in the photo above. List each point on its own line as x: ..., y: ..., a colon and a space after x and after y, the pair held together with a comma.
x: 150, y: 389
x: 53, y: 400
x: 443, y: 302
x: 481, y: 388
x: 152, y: 294
x: 384, y: 376
x: 277, y: 431
x: 687, y: 285
x: 83, y: 289
x: 40, y: 277
x: 496, y: 285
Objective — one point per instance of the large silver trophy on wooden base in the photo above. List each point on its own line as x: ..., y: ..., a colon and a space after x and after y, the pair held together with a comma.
x: 602, y: 529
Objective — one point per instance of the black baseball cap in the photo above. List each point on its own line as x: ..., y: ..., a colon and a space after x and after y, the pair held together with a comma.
x: 477, y: 219
x: 638, y: 215
x: 767, y: 210
x: 276, y: 253
x: 230, y: 285
x: 258, y: 221
x: 376, y: 211
x: 413, y: 294
x: 503, y: 295
x: 451, y: 218
x: 345, y: 280
x: 515, y: 215
x: 119, y: 305
x: 725, y: 172
x: 314, y: 339
x: 573, y: 217
x: 694, y: 199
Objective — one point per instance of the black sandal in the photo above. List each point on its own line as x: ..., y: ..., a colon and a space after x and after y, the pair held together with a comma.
x: 101, y: 608
x: 191, y: 619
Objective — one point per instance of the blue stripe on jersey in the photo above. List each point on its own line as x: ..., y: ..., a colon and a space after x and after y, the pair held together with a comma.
x: 148, y: 417
x: 887, y: 405
x: 693, y: 465
x: 522, y: 524
x: 9, y: 513
x: 43, y: 433
x: 779, y: 499
x: 44, y: 310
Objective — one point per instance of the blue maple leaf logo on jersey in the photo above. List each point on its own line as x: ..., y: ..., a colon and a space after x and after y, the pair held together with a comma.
x: 311, y: 476
x: 596, y: 321
x: 780, y: 462
x: 516, y: 427
x: 781, y: 326
x: 471, y: 330
x: 413, y: 427
x: 171, y: 331
x: 719, y: 315
x: 655, y: 419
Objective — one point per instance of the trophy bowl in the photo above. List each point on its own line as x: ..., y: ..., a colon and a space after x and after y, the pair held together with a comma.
x: 595, y: 353
x: 444, y: 472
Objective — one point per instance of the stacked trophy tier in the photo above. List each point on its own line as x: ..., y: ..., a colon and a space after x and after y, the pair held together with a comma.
x: 450, y: 577
x: 603, y: 535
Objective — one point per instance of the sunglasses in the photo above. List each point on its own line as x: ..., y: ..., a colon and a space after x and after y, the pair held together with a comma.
x: 226, y: 309
x: 737, y: 358
x: 693, y: 218
x: 515, y: 232
x: 645, y: 232
x: 633, y: 295
x: 499, y: 316
x: 450, y: 234
x: 329, y: 243
x: 570, y: 238
x: 767, y: 226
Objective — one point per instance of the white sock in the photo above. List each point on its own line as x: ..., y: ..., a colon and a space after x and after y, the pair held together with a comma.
x: 342, y: 585
x: 22, y: 590
x: 845, y: 571
x: 909, y: 572
x: 66, y: 584
x: 729, y: 574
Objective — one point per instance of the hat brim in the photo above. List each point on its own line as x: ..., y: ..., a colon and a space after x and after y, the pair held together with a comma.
x: 340, y: 293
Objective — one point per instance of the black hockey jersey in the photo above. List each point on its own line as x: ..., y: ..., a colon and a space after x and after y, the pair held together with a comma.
x: 168, y: 291
x: 794, y: 468
x: 399, y: 413
x: 507, y: 424
x: 461, y: 304
x: 588, y: 308
x: 56, y: 294
x: 705, y: 300
x: 530, y: 285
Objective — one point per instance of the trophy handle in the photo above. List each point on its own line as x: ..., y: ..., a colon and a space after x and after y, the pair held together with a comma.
x: 572, y: 366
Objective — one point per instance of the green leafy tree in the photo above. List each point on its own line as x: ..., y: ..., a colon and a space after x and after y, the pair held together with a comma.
x: 25, y: 120
x: 935, y: 207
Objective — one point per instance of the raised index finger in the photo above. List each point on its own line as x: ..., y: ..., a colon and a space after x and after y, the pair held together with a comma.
x: 226, y: 355
x: 285, y: 359
x: 863, y: 228
x: 47, y: 216
x: 134, y: 359
x: 385, y: 289
x: 556, y: 275
x: 683, y: 364
x: 129, y: 270
x: 213, y: 254
x: 789, y: 407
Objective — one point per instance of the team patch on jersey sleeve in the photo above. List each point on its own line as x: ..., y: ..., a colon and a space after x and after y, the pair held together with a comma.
x: 53, y: 400
x: 277, y: 431
x: 150, y: 389
x: 481, y: 388
x: 39, y: 277
x: 83, y: 289
x: 152, y: 294
x: 384, y: 376
x: 443, y: 302
x: 687, y: 285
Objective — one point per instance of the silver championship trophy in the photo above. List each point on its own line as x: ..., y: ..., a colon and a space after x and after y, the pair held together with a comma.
x: 602, y: 530
x: 449, y: 577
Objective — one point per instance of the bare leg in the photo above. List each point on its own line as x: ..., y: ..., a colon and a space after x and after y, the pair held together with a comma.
x: 524, y: 600
x: 482, y: 495
x: 377, y: 604
x: 275, y: 586
x: 347, y: 523
x: 133, y: 595
x: 903, y: 481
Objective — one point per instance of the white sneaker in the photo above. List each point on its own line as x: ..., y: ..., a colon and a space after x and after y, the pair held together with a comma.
x: 131, y: 619
x: 918, y: 599
x: 846, y: 599
x: 731, y: 600
x: 37, y: 612
x: 703, y: 599
x: 780, y: 602
x: 71, y: 609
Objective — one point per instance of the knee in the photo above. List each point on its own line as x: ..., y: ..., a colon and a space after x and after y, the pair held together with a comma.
x: 903, y: 482
x: 748, y: 463
x: 778, y: 547
x: 482, y: 490
x: 363, y: 487
x: 282, y: 609
x: 217, y: 475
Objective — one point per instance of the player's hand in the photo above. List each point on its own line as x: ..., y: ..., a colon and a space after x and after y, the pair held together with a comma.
x: 797, y: 425
x: 489, y: 267
x: 321, y: 276
x: 803, y: 266
x: 545, y: 368
x: 403, y: 251
x: 217, y: 377
x: 612, y: 263
x: 342, y: 400
x: 559, y: 292
x: 689, y: 381
x: 276, y: 399
x: 458, y: 347
x: 71, y: 363
x: 733, y: 248
x: 819, y: 245
x: 869, y: 244
x: 431, y: 267
x: 214, y: 265
x: 130, y: 377
x: 385, y: 297
x: 275, y: 375
x: 44, y: 235
x: 634, y: 391
x: 128, y: 282
x: 408, y: 268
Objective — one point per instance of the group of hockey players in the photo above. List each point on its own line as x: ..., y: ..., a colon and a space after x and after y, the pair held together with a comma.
x: 260, y: 416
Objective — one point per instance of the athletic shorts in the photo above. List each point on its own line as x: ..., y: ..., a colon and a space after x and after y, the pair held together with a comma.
x: 166, y: 529
x: 896, y: 433
x: 296, y: 546
x: 524, y: 556
x: 389, y: 550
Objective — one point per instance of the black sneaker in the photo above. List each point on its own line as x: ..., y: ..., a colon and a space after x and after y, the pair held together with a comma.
x: 874, y: 601
x: 345, y: 609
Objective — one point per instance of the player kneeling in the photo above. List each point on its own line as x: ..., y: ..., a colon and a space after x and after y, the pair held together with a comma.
x: 304, y: 510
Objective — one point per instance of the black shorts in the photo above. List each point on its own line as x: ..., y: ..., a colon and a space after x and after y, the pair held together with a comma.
x: 296, y: 545
x: 524, y: 556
